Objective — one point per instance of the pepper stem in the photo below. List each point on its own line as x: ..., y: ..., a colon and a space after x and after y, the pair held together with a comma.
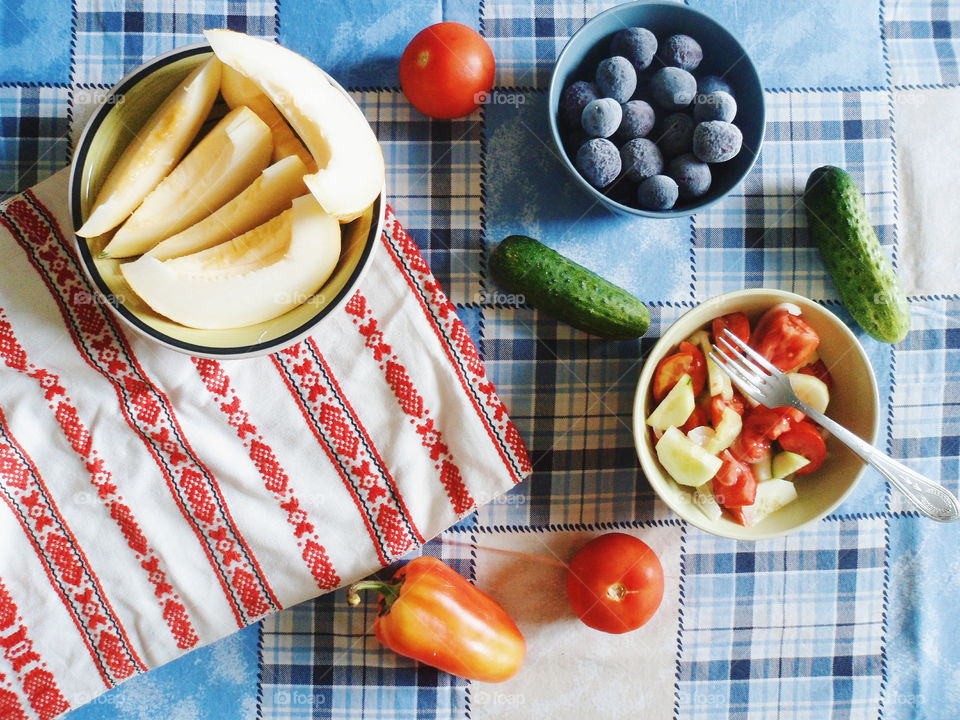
x: 389, y: 592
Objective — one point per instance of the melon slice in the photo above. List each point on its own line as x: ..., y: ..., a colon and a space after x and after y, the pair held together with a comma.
x: 267, y: 196
x: 238, y: 90
x: 349, y: 161
x: 256, y: 277
x: 224, y: 162
x: 155, y: 149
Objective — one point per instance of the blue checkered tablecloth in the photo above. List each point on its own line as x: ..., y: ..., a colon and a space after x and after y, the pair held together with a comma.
x: 855, y: 617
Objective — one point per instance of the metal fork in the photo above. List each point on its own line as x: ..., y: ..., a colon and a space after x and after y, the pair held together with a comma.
x: 756, y: 377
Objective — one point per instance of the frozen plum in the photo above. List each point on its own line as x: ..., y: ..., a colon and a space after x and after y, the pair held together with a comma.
x: 598, y: 161
x: 673, y: 88
x: 574, y: 99
x: 680, y: 51
x: 657, y: 193
x: 638, y: 45
x: 602, y: 117
x: 616, y: 78
x: 638, y: 120
x: 675, y: 134
x: 712, y: 83
x: 641, y: 158
x: 716, y: 141
x: 692, y: 176
x: 717, y: 105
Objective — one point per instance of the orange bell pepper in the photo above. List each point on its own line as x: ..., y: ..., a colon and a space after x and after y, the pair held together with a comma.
x: 432, y: 614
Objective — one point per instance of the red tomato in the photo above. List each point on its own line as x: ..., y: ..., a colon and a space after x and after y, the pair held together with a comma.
x: 737, y: 323
x: 761, y: 426
x: 786, y: 340
x: 447, y: 70
x: 615, y: 583
x: 697, y: 418
x: 734, y: 485
x: 688, y: 360
x: 737, y: 515
x: 804, y: 439
x: 818, y: 370
x: 717, y: 404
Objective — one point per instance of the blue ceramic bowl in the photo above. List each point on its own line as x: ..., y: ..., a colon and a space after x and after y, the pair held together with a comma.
x: 722, y: 55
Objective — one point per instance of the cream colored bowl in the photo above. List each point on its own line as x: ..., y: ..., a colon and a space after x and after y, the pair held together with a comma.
x: 854, y: 403
x: 111, y: 127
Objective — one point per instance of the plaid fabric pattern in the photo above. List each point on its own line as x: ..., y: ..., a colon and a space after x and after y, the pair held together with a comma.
x: 34, y: 126
x: 923, y: 38
x: 793, y: 623
x: 113, y: 37
x: 756, y: 237
x: 825, y: 623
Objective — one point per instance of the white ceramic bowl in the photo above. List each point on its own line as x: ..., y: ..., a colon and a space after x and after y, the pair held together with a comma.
x: 854, y: 403
x: 122, y: 112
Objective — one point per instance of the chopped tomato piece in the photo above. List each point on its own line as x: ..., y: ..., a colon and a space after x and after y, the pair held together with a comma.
x: 818, y: 370
x: 734, y: 485
x: 761, y: 426
x: 717, y: 404
x: 804, y: 439
x: 737, y: 514
x: 737, y: 323
x: 786, y: 340
x: 687, y: 361
x: 697, y: 418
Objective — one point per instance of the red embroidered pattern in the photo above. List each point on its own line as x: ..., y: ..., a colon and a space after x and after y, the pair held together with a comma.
x: 38, y: 683
x: 101, y: 478
x: 274, y: 476
x: 460, y: 349
x: 146, y: 408
x: 339, y: 431
x: 66, y: 566
x: 411, y: 402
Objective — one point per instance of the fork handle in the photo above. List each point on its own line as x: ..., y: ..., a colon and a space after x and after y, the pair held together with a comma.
x: 931, y: 499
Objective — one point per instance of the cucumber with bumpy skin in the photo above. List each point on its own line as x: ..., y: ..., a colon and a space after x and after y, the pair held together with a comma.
x: 567, y: 291
x: 839, y: 225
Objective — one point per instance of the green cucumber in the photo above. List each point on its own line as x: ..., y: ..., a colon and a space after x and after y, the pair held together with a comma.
x: 839, y: 225
x: 567, y: 291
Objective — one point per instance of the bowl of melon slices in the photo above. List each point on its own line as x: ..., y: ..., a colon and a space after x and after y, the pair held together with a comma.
x: 226, y: 197
x: 735, y: 468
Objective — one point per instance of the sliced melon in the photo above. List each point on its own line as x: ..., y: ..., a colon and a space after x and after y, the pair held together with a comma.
x: 224, y: 162
x: 726, y: 431
x: 717, y: 380
x: 267, y: 196
x: 255, y: 277
x: 676, y: 407
x: 349, y: 161
x: 771, y: 496
x: 811, y: 390
x: 685, y: 461
x: 155, y: 149
x: 238, y: 90
x: 786, y: 463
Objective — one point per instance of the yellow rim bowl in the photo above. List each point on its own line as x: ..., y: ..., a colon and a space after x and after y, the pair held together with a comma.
x: 854, y: 403
x: 124, y: 110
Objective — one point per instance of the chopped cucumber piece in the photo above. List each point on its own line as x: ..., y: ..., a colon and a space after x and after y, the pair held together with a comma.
x: 771, y: 496
x: 703, y: 498
x: 675, y: 408
x: 811, y: 390
x: 687, y: 462
x: 762, y: 469
x: 701, y: 435
x: 717, y: 380
x: 787, y: 463
x: 727, y: 431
